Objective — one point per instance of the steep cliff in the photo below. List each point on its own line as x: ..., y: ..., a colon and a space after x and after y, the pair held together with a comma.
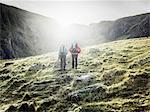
x: 131, y: 27
x: 22, y: 33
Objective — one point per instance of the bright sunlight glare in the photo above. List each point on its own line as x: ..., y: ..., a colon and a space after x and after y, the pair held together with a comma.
x: 76, y: 18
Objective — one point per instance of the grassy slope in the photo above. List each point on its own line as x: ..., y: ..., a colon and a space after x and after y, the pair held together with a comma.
x: 120, y: 73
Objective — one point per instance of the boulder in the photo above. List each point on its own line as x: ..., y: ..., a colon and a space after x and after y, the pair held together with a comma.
x: 36, y: 67
x: 89, y: 93
x: 84, y: 79
x: 63, y: 79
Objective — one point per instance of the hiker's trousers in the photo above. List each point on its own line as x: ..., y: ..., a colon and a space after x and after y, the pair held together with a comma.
x: 63, y: 63
x: 74, y: 61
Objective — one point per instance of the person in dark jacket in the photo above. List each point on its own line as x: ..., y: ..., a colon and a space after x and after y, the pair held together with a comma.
x: 75, y: 50
x: 62, y: 57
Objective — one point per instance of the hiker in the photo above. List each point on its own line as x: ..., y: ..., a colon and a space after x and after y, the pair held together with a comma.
x: 74, y: 50
x: 62, y: 57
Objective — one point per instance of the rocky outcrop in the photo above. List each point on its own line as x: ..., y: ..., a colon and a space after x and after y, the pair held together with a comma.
x: 21, y: 33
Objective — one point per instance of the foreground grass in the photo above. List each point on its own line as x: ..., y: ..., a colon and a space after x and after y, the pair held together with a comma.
x: 111, y: 77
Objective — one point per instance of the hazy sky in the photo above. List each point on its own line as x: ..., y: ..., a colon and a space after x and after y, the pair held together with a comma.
x: 83, y: 12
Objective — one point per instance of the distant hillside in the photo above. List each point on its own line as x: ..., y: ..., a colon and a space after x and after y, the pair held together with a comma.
x: 22, y: 33
x: 25, y: 34
x: 104, y: 31
x: 111, y: 77
x: 130, y: 27
x: 127, y: 27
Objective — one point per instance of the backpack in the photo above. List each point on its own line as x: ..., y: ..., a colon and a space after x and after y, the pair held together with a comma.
x: 74, y: 50
x: 62, y: 51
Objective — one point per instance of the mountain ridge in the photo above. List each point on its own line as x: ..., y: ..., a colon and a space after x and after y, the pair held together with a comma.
x: 26, y: 34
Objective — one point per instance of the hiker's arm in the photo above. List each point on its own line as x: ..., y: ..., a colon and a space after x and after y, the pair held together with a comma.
x: 70, y: 49
x: 66, y: 51
x: 79, y: 50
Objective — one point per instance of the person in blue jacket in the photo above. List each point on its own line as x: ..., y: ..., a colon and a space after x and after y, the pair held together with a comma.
x: 62, y: 57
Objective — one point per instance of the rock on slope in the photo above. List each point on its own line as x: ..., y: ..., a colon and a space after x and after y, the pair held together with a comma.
x: 111, y: 77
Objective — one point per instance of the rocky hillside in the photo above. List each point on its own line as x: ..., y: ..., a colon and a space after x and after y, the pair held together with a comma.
x: 130, y: 27
x: 22, y: 33
x: 111, y: 77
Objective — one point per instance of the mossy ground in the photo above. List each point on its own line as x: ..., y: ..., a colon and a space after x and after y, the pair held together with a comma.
x: 120, y: 72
